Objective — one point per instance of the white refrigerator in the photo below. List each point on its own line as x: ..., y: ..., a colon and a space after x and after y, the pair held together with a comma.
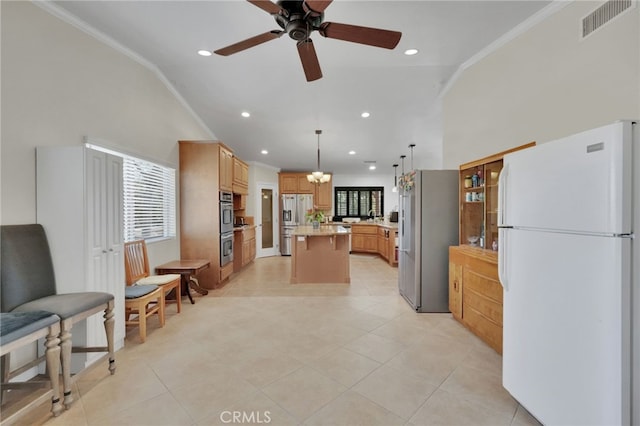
x: 566, y: 212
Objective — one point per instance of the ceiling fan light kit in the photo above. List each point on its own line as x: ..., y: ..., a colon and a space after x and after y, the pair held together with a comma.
x: 299, y: 19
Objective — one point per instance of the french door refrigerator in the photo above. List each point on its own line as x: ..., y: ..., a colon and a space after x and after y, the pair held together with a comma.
x: 428, y: 225
x: 293, y: 208
x: 565, y: 262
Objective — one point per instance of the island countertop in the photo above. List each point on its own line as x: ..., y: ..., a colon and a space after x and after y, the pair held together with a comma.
x: 324, y: 230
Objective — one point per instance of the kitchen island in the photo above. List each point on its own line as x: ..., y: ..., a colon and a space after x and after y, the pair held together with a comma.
x: 320, y: 255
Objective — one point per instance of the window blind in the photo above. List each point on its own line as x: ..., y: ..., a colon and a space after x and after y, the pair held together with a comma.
x: 149, y: 200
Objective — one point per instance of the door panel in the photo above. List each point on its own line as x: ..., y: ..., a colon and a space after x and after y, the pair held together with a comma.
x: 566, y: 309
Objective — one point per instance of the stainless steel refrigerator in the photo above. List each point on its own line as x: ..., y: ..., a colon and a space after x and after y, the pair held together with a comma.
x: 293, y: 208
x: 428, y: 225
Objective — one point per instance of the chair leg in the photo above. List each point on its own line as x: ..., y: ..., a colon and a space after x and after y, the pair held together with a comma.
x: 161, y: 310
x: 52, y: 353
x: 142, y: 322
x: 5, y: 362
x: 65, y: 356
x: 109, y: 323
x: 179, y: 296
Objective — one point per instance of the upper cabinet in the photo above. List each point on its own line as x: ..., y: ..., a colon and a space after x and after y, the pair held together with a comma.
x: 297, y: 183
x: 479, y: 200
x: 225, y: 163
x: 240, y: 176
x: 323, y: 196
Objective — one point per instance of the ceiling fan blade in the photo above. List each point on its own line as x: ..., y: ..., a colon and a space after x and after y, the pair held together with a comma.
x: 250, y: 42
x: 317, y: 6
x: 363, y: 35
x: 309, y: 60
x: 267, y: 6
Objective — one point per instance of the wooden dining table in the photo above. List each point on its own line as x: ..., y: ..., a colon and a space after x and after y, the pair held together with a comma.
x: 188, y: 270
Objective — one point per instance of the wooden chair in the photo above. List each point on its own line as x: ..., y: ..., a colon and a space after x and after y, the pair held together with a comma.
x: 28, y: 284
x: 136, y: 270
x: 19, y: 329
x: 140, y: 302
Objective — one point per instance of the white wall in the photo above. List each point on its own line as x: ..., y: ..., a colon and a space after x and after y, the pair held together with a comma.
x: 60, y: 84
x: 545, y: 84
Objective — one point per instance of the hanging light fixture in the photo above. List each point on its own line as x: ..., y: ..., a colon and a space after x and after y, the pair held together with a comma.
x: 318, y: 176
x: 411, y: 146
x: 395, y: 178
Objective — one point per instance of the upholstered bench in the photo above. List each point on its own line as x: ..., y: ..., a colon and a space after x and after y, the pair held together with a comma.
x: 18, y: 329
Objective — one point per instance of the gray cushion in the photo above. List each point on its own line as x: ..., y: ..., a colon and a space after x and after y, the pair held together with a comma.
x: 135, y: 291
x: 66, y: 305
x: 27, y: 269
x: 14, y: 325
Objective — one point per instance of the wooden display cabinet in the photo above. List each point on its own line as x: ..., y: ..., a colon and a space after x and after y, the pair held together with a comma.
x: 479, y: 200
x: 475, y: 292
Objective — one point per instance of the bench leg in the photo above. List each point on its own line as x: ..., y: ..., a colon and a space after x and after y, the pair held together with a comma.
x: 109, y: 323
x: 52, y: 353
x: 65, y: 356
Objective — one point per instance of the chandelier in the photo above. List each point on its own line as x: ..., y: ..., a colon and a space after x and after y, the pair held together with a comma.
x: 318, y: 176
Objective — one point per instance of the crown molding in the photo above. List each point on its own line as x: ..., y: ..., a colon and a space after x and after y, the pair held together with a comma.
x: 507, y: 37
x: 72, y: 20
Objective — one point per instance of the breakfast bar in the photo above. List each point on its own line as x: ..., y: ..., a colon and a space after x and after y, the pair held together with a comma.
x: 320, y: 255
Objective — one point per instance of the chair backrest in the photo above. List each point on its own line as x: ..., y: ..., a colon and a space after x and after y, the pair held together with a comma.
x: 26, y: 265
x: 136, y: 263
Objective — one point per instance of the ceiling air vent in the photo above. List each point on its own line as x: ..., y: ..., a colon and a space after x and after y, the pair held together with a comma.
x: 604, y: 14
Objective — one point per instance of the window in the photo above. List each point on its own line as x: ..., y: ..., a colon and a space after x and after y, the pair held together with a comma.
x: 149, y: 200
x: 358, y: 201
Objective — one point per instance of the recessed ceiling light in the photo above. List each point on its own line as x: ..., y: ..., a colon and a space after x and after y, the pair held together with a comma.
x: 410, y: 52
x: 204, y: 52
x: 264, y: 152
x: 365, y: 115
x: 352, y: 152
x: 372, y: 167
x: 245, y: 114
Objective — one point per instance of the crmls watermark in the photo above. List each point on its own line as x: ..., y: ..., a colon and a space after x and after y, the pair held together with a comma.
x: 245, y: 417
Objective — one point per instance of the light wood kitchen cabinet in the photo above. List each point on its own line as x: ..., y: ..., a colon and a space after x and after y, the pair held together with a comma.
x: 323, y: 196
x: 244, y: 247
x: 479, y: 200
x: 295, y: 183
x: 475, y: 292
x: 364, y: 238
x: 201, y: 164
x: 476, y: 273
x: 240, y: 177
x: 383, y: 242
x: 225, y: 168
x: 455, y: 286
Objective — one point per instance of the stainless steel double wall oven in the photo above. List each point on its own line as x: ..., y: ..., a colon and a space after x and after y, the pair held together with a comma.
x: 226, y: 228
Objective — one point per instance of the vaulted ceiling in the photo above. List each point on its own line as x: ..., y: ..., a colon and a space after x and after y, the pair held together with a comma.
x: 402, y: 93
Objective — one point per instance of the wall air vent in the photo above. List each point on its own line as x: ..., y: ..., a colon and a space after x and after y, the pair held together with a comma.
x: 604, y: 14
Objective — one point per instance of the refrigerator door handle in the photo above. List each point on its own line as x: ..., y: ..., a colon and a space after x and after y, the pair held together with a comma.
x: 502, y: 258
x: 502, y: 192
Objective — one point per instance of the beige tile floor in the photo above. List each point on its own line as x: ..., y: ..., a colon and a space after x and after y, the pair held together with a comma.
x: 312, y: 354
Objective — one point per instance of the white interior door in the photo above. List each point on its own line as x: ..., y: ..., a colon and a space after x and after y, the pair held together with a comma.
x: 267, y: 220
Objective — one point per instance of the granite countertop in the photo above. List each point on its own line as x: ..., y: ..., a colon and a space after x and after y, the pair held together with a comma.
x: 324, y: 230
x: 389, y: 225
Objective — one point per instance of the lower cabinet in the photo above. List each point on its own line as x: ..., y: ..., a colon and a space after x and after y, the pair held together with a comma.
x: 364, y: 238
x: 244, y: 248
x: 475, y: 293
x: 375, y: 238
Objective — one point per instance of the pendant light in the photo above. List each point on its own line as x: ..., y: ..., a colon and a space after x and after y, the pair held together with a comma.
x: 395, y: 178
x: 318, y: 176
x: 411, y: 146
